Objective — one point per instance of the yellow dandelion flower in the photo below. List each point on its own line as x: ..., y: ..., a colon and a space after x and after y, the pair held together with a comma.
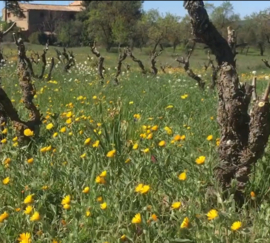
x: 25, y: 238
x: 136, y: 219
x: 66, y: 200
x: 28, y: 210
x: 135, y: 146
x: 103, y: 173
x: 209, y: 138
x: 3, y: 216
x: 99, y: 199
x: 176, y: 205
x: 96, y: 144
x: 168, y: 130
x: 4, y: 131
x: 87, y: 141
x: 30, y: 161
x: 252, y: 195
x: 49, y: 126
x: 185, y: 223
x: 145, y: 189
x: 212, y: 214
x: 28, y: 133
x: 200, y: 160
x: 103, y: 206
x: 183, y: 176
x: 69, y: 114
x: 6, y: 181
x: 147, y: 150
x: 87, y: 213
x: 100, y: 180
x: 66, y: 206
x: 111, y: 153
x: 63, y: 129
x: 162, y: 143
x: 139, y: 188
x: 83, y: 156
x: 68, y: 121
x: 123, y: 237
x: 35, y: 217
x: 154, y: 217
x: 86, y: 189
x: 29, y: 199
x: 236, y: 226
x: 3, y: 141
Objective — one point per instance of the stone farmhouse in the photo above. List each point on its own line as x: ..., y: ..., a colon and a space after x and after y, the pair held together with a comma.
x: 42, y: 17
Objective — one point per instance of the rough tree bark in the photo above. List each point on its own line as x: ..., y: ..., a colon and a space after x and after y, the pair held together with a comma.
x: 122, y: 57
x: 189, y: 71
x: 43, y: 59
x: 154, y: 55
x: 100, y: 61
x: 134, y: 59
x: 243, y: 136
x: 215, y: 70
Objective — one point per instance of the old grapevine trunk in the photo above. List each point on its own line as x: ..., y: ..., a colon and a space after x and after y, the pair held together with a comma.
x: 243, y: 135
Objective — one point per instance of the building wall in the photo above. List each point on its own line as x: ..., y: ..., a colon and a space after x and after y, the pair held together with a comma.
x: 20, y: 22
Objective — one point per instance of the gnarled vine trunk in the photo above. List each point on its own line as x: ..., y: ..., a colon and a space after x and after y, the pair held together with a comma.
x: 244, y: 135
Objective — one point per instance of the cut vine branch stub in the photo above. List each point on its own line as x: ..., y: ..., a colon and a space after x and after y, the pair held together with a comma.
x: 189, y: 71
x: 100, y: 61
x: 134, y: 59
x: 122, y: 57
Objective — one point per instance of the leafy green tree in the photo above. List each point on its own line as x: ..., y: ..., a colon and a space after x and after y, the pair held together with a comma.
x: 224, y: 16
x: 14, y: 7
x: 70, y: 33
x: 111, y: 22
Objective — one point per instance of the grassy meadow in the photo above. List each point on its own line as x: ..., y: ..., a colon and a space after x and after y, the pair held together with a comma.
x: 125, y: 163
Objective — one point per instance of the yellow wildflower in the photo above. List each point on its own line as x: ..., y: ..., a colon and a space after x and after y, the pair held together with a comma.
x: 6, y: 180
x: 136, y: 219
x: 28, y: 133
x: 212, y: 214
x: 35, y: 217
x: 176, y: 205
x: 29, y: 199
x: 49, y: 126
x: 103, y: 206
x: 66, y: 200
x: 185, y: 223
x: 86, y: 189
x: 236, y: 226
x: 200, y: 160
x: 87, y: 141
x: 183, y: 176
x: 25, y: 238
x: 3, y: 216
x: 111, y: 153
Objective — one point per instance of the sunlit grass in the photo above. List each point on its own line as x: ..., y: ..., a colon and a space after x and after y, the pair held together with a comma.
x: 126, y: 163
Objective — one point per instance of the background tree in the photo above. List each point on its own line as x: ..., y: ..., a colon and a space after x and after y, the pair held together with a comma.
x: 223, y: 16
x: 14, y: 7
x: 111, y: 22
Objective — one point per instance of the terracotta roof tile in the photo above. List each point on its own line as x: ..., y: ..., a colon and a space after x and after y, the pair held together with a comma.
x: 28, y: 6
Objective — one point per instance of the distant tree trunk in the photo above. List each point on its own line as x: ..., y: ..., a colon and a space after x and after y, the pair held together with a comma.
x: 108, y: 46
x: 261, y: 47
x: 244, y: 134
x: 247, y: 50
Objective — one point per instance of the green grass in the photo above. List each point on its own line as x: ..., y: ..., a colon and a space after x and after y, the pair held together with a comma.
x: 106, y: 113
